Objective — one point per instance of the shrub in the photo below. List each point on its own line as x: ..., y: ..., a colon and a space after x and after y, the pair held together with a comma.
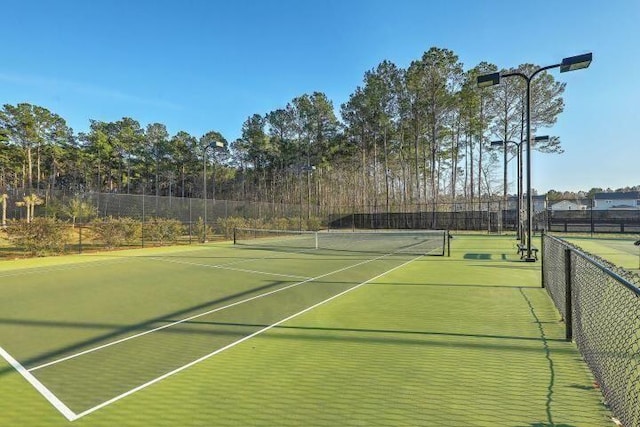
x: 314, y: 223
x: 197, y: 230
x: 40, y: 237
x: 115, y: 232
x: 226, y: 225
x: 281, y: 224
x: 163, y: 230
x: 78, y: 209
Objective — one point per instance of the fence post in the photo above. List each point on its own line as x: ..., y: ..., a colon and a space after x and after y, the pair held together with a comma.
x: 543, y: 238
x: 190, y: 223
x: 568, y: 316
x: 142, y: 227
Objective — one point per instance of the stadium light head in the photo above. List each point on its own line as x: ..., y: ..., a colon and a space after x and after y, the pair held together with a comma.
x: 215, y: 144
x: 497, y: 143
x: 576, y: 62
x: 542, y: 138
x: 487, y: 80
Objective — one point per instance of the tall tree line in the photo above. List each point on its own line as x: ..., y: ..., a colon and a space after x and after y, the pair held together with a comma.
x: 406, y: 138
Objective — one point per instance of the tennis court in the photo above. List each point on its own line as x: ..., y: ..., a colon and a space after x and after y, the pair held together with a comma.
x: 289, y: 335
x: 618, y: 250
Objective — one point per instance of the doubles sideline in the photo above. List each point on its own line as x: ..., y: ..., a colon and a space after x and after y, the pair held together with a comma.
x: 71, y: 416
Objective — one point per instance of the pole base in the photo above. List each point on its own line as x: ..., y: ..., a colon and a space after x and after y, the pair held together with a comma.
x: 530, y: 259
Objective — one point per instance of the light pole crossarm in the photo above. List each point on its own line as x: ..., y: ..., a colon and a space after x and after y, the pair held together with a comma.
x: 516, y: 74
x: 535, y: 73
x: 539, y: 70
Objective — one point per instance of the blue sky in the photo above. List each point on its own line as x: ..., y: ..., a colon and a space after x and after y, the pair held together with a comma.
x: 208, y: 65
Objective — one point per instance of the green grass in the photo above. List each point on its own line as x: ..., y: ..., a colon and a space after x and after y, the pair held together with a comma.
x: 470, y: 340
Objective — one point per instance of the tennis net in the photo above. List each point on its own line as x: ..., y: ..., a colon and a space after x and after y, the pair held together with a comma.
x: 422, y: 242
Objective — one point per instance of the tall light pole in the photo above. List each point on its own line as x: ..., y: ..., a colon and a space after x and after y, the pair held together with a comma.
x: 216, y: 144
x: 307, y: 169
x: 518, y: 145
x: 568, y: 64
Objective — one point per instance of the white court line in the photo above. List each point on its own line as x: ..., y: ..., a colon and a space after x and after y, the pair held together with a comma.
x: 224, y: 267
x: 233, y: 344
x: 109, y: 344
x: 57, y: 403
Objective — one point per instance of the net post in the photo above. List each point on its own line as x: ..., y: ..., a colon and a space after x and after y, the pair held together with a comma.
x: 316, y: 239
x: 568, y: 316
x: 234, y: 235
x: 447, y: 237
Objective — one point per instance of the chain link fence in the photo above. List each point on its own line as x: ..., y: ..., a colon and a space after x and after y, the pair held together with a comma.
x: 149, y: 219
x: 145, y: 206
x: 600, y: 304
x: 594, y: 221
x: 490, y: 215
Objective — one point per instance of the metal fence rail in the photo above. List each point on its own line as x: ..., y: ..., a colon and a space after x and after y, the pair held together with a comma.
x: 601, y: 305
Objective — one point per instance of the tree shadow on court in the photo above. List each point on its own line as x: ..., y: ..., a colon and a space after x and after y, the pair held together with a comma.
x: 532, y: 267
x: 434, y: 339
x: 388, y: 336
x: 124, y: 330
x: 448, y: 285
x: 552, y: 425
x: 477, y: 256
x: 366, y: 333
x: 583, y: 387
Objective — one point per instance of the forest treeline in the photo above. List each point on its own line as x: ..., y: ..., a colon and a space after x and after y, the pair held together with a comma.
x: 406, y: 138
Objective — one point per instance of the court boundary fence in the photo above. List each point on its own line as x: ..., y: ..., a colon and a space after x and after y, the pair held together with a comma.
x: 600, y: 305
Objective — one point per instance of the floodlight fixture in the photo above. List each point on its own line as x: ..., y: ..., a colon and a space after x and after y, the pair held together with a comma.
x: 487, y: 80
x: 577, y: 62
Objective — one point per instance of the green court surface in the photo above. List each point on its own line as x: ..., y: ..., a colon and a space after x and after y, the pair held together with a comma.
x: 218, y: 335
x: 620, y: 250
